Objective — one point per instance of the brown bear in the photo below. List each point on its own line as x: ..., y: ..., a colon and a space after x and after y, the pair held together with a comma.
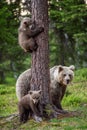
x: 23, y: 84
x: 60, y: 77
x: 29, y: 105
x: 27, y: 32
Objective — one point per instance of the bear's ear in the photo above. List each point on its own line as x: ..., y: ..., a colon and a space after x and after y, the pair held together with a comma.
x: 20, y: 18
x: 72, y: 67
x: 60, y: 68
x: 30, y: 92
x: 40, y: 91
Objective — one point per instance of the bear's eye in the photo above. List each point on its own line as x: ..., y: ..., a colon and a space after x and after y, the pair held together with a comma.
x: 69, y: 75
x: 64, y: 75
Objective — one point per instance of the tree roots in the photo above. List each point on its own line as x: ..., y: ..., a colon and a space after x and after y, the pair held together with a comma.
x: 51, y: 111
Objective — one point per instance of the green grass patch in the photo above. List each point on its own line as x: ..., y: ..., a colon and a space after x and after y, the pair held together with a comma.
x: 8, y: 100
x: 81, y: 75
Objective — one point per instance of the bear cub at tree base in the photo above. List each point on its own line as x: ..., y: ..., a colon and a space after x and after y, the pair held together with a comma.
x: 61, y: 76
x: 29, y: 105
x: 27, y: 32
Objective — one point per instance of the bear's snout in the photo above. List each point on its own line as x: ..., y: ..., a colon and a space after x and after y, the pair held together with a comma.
x: 68, y: 81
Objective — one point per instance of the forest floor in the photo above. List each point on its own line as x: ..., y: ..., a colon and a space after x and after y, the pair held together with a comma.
x: 75, y: 100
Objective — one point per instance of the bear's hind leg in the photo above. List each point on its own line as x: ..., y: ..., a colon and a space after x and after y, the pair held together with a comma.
x: 25, y: 116
x: 21, y: 117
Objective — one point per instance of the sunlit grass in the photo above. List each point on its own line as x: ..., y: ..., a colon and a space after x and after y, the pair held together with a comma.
x: 75, y: 95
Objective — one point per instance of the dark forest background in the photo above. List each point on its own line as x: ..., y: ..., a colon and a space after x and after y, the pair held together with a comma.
x: 67, y: 35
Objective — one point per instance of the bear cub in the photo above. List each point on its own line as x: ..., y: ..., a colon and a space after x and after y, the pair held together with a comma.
x: 27, y: 32
x: 28, y: 105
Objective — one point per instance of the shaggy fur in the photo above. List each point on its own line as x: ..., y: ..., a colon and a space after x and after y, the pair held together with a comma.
x: 23, y: 84
x: 60, y: 77
x: 26, y: 33
x: 29, y: 105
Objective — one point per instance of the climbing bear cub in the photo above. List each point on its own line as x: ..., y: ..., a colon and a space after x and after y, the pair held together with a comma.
x: 28, y: 105
x: 27, y: 32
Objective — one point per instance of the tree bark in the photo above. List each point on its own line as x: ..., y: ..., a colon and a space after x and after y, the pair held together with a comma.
x: 40, y: 74
x: 40, y: 58
x: 2, y: 77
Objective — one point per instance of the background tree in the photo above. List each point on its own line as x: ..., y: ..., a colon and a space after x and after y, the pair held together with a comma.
x: 68, y: 20
x: 67, y: 41
x: 11, y: 55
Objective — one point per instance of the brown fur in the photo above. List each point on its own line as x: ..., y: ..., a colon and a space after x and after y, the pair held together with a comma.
x: 29, y: 105
x: 23, y: 84
x: 27, y: 31
x: 61, y: 76
x: 57, y: 94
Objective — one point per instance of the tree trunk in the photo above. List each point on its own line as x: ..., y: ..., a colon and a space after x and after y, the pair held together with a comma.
x: 62, y: 45
x: 40, y: 58
x: 2, y: 77
x: 40, y: 74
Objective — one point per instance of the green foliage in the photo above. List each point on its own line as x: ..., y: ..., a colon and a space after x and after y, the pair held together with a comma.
x: 69, y: 19
x: 68, y: 41
x: 12, y: 57
x: 81, y: 75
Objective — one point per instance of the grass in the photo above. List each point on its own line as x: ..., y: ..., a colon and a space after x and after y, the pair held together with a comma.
x: 8, y: 100
x: 74, y: 100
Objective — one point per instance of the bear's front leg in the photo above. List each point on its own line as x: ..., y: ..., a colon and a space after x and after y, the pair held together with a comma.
x: 36, y: 113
